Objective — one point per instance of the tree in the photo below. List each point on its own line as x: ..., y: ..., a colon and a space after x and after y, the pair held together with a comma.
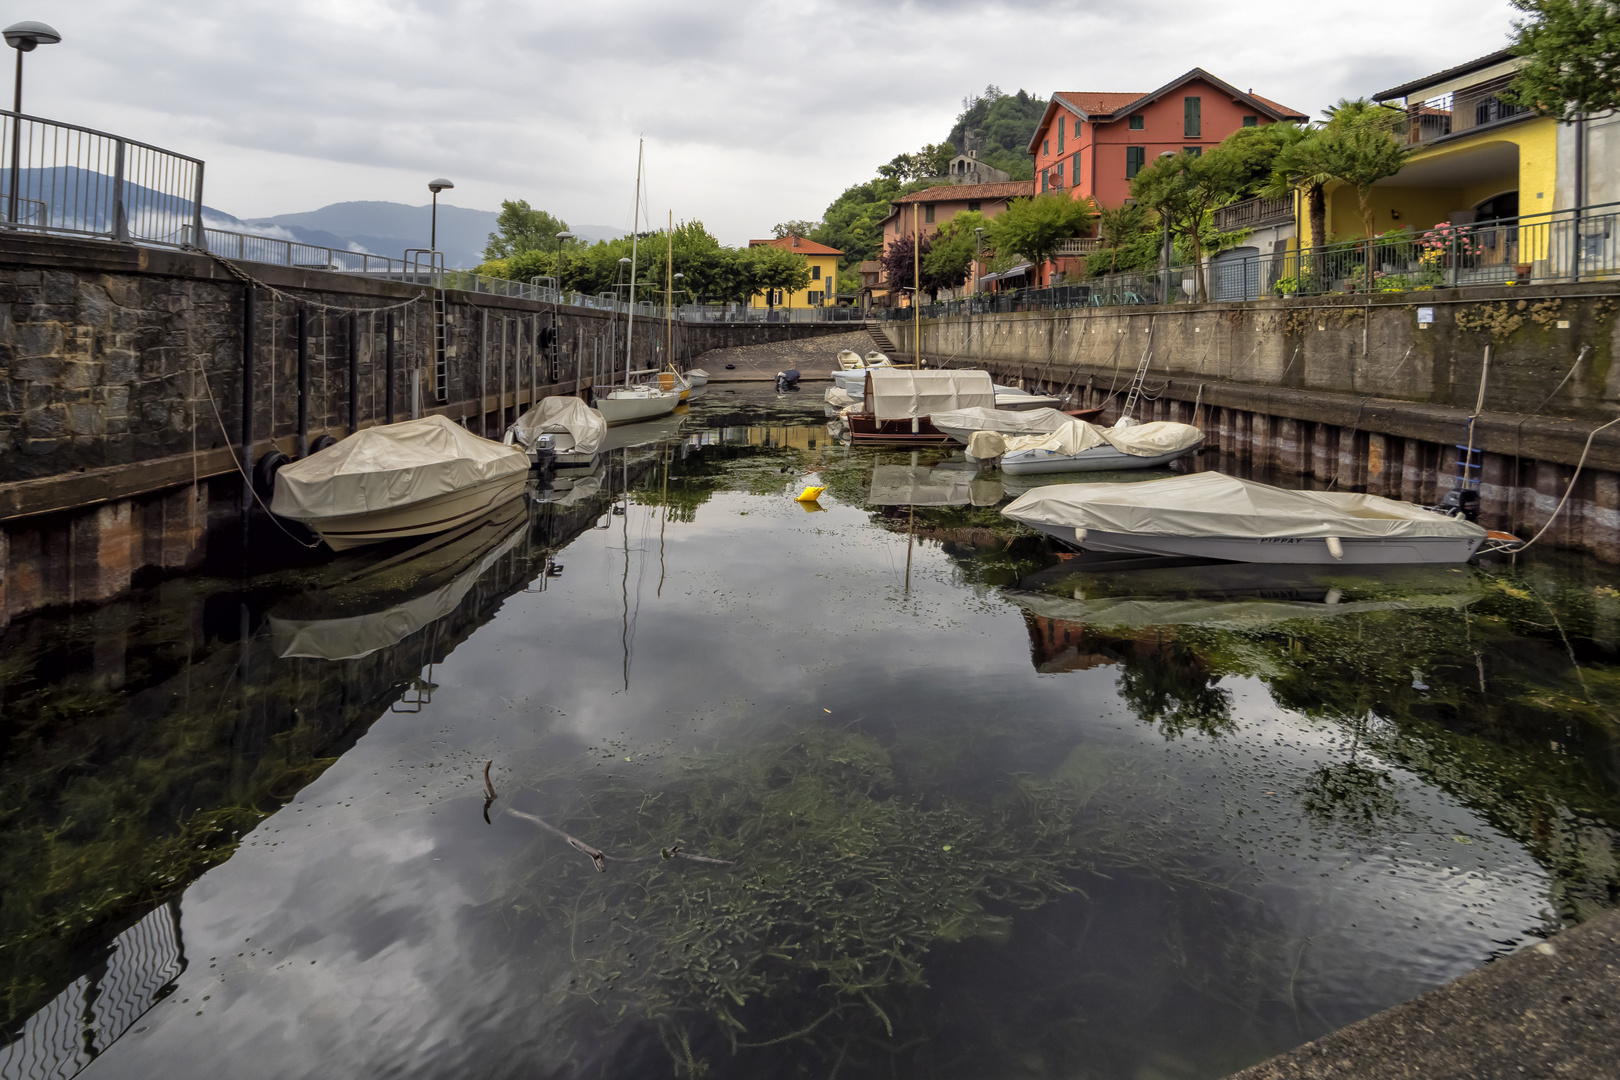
x: 951, y: 250
x: 770, y: 268
x: 1004, y: 124
x: 806, y: 229
x: 852, y: 222
x: 1034, y: 227
x: 1574, y: 51
x: 1186, y: 187
x: 1257, y: 150
x: 521, y: 228
x: 1358, y: 145
x: 1301, y: 164
x: 1122, y: 226
x: 899, y: 262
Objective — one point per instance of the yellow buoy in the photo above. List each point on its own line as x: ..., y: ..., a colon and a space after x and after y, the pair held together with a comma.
x: 810, y: 494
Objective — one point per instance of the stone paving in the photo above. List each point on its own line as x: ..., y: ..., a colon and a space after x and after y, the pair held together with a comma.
x: 814, y: 357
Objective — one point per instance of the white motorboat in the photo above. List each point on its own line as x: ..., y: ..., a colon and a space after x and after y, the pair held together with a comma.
x: 960, y: 424
x: 1012, y: 399
x: 697, y: 377
x: 1215, y: 516
x: 413, y: 478
x: 575, y: 428
x: 1081, y: 447
x: 628, y: 404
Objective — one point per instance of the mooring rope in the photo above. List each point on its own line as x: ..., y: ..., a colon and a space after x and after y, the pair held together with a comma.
x: 248, y: 279
x: 246, y: 479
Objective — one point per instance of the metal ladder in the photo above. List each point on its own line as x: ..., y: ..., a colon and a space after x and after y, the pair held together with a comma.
x: 427, y: 268
x: 1136, y: 383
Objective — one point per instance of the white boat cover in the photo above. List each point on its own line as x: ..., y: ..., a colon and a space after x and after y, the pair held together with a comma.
x: 389, y: 466
x: 1006, y: 421
x: 1140, y: 440
x: 839, y: 398
x: 1213, y: 504
x: 562, y: 413
x: 986, y: 445
x: 901, y: 395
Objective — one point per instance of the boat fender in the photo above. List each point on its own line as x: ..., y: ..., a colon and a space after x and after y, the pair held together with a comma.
x: 1335, y: 548
x: 1079, y: 536
x: 914, y: 428
x: 322, y: 443
x: 264, y: 473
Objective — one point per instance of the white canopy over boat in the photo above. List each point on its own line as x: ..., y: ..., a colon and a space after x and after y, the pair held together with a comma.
x: 562, y: 415
x: 960, y: 424
x: 1217, y: 516
x: 392, y: 466
x: 897, y: 394
x: 1141, y: 440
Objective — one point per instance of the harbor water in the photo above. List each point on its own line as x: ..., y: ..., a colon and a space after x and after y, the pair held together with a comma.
x: 660, y: 772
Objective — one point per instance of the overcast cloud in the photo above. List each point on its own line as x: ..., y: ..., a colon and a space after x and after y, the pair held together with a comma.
x: 754, y: 113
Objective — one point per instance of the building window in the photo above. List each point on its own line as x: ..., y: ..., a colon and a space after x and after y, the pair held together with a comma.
x: 1136, y: 122
x: 1135, y: 157
x: 1074, y: 173
x: 974, y: 206
x: 1043, y: 179
x: 1046, y: 147
x: 928, y: 213
x: 1251, y: 121
x: 815, y: 273
x: 1060, y: 134
x: 1193, y: 111
x: 1195, y: 151
x: 816, y: 298
x: 1057, y: 175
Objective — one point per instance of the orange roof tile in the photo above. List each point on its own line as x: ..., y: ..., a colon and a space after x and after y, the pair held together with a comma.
x: 798, y: 244
x: 1002, y: 189
x: 1096, y: 102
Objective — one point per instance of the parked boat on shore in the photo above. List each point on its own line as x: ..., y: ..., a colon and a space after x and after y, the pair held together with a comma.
x: 413, y: 478
x: 1215, y: 516
x: 1077, y: 446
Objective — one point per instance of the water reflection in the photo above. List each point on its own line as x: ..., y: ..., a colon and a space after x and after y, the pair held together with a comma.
x: 1010, y: 812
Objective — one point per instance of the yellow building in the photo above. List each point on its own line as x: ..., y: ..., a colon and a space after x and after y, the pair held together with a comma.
x: 1477, y: 157
x: 822, y: 290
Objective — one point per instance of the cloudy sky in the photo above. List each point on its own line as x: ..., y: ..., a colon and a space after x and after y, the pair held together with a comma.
x: 753, y: 113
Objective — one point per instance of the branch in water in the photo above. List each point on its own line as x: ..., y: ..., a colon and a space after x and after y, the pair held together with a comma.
x: 601, y: 858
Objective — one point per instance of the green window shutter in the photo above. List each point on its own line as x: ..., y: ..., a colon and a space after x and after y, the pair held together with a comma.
x: 1137, y: 123
x: 1251, y: 121
x: 1194, y: 115
x: 1074, y: 176
x: 1060, y: 134
x: 1134, y: 158
x: 1195, y: 151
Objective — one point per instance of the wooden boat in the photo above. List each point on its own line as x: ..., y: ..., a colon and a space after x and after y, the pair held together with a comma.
x: 414, y: 478
x: 1215, y: 516
x: 897, y: 404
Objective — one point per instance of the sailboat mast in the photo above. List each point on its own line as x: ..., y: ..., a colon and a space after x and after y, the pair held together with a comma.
x: 635, y: 228
x: 669, y: 294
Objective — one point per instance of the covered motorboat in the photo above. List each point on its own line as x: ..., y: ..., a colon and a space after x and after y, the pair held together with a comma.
x: 897, y: 404
x: 414, y: 478
x: 960, y: 424
x: 1215, y: 516
x: 576, y: 429
x: 697, y: 377
x: 1081, y: 447
x: 1012, y: 399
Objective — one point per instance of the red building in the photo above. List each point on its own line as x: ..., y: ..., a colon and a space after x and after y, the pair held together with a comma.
x: 1092, y: 144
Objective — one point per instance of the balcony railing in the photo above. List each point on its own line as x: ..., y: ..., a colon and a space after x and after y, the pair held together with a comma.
x: 1080, y: 245
x: 1254, y: 213
x: 1465, y: 110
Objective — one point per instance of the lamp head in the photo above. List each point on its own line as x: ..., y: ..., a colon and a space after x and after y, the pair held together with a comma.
x: 624, y: 262
x: 28, y: 36
x: 680, y: 277
x: 441, y: 184
x: 566, y: 236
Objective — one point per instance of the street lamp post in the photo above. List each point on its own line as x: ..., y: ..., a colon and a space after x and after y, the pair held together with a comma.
x: 24, y: 37
x: 978, y: 255
x: 1167, y: 251
x: 436, y: 186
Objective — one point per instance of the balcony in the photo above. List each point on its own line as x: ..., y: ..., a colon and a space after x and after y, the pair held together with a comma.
x: 1080, y: 245
x: 1254, y: 214
x: 1458, y: 113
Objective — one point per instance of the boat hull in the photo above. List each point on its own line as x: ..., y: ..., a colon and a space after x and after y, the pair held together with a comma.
x: 1289, y: 550
x: 1097, y: 459
x: 423, y: 518
x: 863, y: 427
x: 629, y: 410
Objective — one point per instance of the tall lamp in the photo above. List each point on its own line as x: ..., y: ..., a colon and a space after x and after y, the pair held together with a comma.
x: 24, y: 37
x: 436, y: 186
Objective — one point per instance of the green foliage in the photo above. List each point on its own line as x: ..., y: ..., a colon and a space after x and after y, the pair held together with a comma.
x: 950, y: 254
x: 928, y: 163
x: 806, y: 229
x: 852, y: 224
x: 1572, y: 46
x: 1359, y: 147
x: 1006, y: 123
x: 1187, y: 188
x: 1131, y: 236
x: 521, y: 228
x: 770, y: 268
x: 1034, y: 227
x: 1256, y: 152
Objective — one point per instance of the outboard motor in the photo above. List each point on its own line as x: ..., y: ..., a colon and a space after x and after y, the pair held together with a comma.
x: 787, y: 380
x: 1460, y: 502
x: 545, y: 452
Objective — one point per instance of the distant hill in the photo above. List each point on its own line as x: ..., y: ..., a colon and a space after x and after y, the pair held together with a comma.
x: 389, y: 228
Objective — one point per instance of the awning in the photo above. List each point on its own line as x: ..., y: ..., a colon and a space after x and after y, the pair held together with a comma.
x: 1018, y: 271
x: 988, y: 278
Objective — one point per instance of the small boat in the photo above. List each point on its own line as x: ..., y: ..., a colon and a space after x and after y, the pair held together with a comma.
x: 960, y: 424
x: 575, y: 428
x: 413, y: 478
x: 852, y: 369
x: 897, y: 404
x: 1081, y: 447
x: 849, y: 360
x: 1214, y: 516
x: 697, y: 377
x: 629, y: 404
x: 1013, y: 399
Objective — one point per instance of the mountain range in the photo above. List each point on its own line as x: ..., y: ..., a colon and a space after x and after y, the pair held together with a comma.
x: 389, y: 228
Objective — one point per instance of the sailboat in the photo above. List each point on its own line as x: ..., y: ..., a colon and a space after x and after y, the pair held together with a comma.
x: 636, y: 401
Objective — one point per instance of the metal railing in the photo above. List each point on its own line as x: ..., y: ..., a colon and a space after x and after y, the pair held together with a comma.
x: 62, y: 178
x: 1079, y: 245
x: 276, y: 251
x: 1463, y: 110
